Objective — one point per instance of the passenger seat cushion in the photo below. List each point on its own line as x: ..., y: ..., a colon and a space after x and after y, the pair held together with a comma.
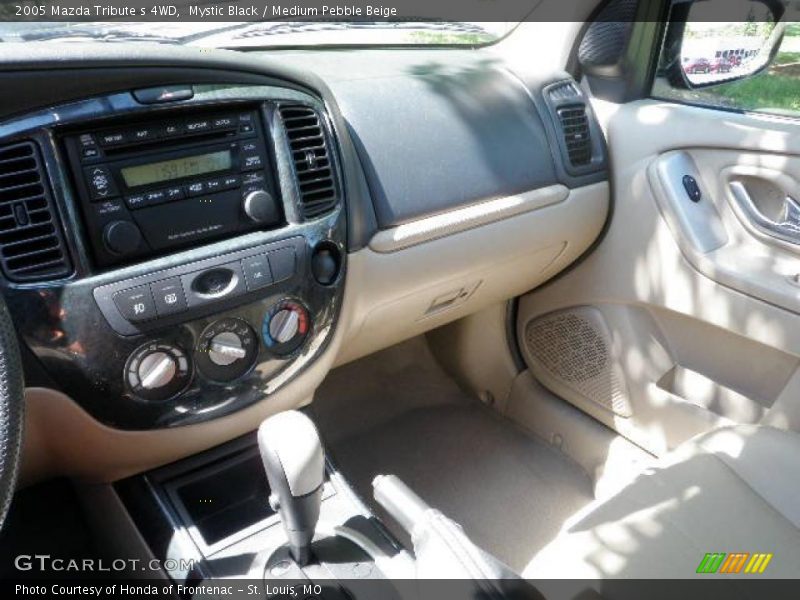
x: 767, y: 459
x: 727, y: 491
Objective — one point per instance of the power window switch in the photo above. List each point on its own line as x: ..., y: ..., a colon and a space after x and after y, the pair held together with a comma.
x: 692, y: 189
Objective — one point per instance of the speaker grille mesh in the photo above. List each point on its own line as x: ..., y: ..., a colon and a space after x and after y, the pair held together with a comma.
x: 572, y: 349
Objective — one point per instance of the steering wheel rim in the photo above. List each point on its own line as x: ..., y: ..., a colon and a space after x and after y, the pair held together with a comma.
x: 12, y: 390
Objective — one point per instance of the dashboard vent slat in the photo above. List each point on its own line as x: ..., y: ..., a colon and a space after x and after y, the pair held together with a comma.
x: 311, y: 158
x: 575, y: 129
x: 566, y: 90
x: 31, y: 244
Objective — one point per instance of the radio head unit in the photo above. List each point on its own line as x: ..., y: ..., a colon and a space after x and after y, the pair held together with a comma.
x: 148, y: 186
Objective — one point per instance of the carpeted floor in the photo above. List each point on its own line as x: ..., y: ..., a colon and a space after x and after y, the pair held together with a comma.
x: 397, y: 412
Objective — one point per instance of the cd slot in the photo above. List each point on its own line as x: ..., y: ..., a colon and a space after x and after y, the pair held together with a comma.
x: 167, y: 143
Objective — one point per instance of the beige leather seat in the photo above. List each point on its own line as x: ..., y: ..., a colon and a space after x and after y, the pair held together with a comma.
x: 732, y: 490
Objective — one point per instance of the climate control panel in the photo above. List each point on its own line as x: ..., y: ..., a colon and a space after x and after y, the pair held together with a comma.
x: 225, y: 351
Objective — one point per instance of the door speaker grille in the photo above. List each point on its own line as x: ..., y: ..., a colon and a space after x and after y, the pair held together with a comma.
x: 571, y: 353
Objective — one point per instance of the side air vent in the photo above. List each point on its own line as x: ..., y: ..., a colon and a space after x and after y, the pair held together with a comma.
x: 566, y: 90
x: 311, y: 158
x: 31, y: 244
x: 575, y: 128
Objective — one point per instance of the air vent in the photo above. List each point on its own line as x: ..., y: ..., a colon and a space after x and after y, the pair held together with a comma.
x: 566, y: 90
x: 575, y: 128
x: 312, y: 160
x: 31, y: 245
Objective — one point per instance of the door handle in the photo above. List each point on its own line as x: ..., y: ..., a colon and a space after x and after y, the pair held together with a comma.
x: 785, y: 228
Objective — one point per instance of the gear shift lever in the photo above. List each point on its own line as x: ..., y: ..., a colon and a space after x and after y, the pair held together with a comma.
x: 295, y: 464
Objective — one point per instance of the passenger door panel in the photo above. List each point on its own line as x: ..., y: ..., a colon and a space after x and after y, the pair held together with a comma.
x: 686, y: 316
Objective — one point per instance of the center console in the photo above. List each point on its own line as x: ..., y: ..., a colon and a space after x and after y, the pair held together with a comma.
x: 173, y: 254
x: 208, y: 518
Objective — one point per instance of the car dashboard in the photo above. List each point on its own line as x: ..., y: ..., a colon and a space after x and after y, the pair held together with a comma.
x: 188, y: 233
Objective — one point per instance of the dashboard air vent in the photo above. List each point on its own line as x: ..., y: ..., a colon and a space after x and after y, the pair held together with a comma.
x: 31, y: 244
x: 311, y: 158
x: 566, y: 90
x: 575, y: 128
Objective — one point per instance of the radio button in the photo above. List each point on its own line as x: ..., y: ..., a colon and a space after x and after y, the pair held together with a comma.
x: 246, y: 124
x: 90, y: 152
x: 100, y: 183
x: 155, y: 197
x: 86, y: 139
x: 113, y: 138
x: 168, y: 296
x: 198, y: 126
x: 136, y: 201
x: 142, y: 135
x: 252, y: 161
x: 136, y: 304
x: 214, y: 185
x: 174, y: 193
x: 105, y: 208
x: 196, y: 189
x: 249, y: 147
x: 223, y: 123
x: 230, y: 182
x: 172, y: 129
x: 253, y: 178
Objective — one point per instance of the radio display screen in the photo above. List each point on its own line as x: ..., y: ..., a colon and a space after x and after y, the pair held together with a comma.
x: 177, y: 168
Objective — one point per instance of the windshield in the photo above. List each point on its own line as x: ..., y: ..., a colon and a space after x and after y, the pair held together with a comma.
x: 261, y: 34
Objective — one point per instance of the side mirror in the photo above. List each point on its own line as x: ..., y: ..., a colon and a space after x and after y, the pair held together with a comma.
x: 718, y: 41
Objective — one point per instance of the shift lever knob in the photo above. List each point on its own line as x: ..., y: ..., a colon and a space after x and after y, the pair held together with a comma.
x: 295, y: 465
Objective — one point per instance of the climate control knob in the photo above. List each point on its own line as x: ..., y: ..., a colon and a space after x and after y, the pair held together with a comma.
x: 285, y: 327
x: 158, y: 371
x: 226, y: 350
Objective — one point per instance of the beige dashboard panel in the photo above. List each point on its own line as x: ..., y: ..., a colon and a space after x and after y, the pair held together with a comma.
x: 415, y: 289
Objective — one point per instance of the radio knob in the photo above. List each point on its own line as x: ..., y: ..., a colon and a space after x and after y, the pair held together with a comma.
x: 226, y: 348
x: 122, y: 237
x: 260, y: 206
x: 156, y: 370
